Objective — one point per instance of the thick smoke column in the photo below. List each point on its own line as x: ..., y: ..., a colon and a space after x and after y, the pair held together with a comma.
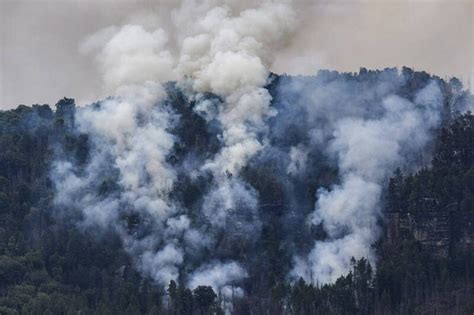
x: 212, y: 46
x: 134, y: 153
x: 203, y: 177
x: 229, y: 56
x: 366, y: 151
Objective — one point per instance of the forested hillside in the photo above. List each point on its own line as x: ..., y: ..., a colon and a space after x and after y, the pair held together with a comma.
x: 59, y: 255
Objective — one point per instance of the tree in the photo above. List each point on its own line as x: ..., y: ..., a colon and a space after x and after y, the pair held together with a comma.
x: 205, y: 299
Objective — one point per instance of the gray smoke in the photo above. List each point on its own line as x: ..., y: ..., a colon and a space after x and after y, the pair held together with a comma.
x: 218, y: 52
x: 135, y: 151
x: 221, y: 47
x: 367, y: 151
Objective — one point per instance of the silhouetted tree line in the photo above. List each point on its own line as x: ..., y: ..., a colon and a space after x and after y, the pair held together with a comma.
x: 49, y: 266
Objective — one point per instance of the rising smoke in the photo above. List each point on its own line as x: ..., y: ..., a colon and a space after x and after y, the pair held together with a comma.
x: 366, y: 151
x: 220, y: 50
x: 219, y: 53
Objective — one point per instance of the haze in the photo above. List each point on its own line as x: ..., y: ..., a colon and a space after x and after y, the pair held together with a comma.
x: 40, y: 59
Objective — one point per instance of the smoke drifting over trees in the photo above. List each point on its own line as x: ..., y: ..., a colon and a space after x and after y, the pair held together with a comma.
x: 224, y: 54
x: 312, y: 192
x: 215, y: 174
x: 363, y: 129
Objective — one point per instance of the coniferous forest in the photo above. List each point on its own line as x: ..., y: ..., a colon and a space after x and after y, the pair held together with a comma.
x: 57, y: 258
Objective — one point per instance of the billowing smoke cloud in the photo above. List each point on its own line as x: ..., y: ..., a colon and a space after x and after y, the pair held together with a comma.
x: 205, y: 177
x: 366, y: 151
x: 219, y: 275
x: 218, y: 47
x: 298, y: 160
x: 130, y: 144
x: 229, y: 56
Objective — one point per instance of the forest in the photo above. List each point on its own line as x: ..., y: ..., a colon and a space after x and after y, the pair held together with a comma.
x: 56, y: 259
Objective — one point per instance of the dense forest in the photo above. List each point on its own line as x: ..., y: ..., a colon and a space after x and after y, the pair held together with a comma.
x: 50, y: 264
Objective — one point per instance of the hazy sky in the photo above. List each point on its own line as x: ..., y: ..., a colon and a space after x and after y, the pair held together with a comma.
x: 40, y: 60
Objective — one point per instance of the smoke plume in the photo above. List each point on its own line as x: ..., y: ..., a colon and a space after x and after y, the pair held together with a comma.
x: 201, y: 157
x: 366, y: 151
x: 216, y: 47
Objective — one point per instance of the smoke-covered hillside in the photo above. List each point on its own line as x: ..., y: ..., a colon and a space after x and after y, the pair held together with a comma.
x: 128, y: 204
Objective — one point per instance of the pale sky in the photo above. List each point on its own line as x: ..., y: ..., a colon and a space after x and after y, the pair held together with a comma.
x: 40, y: 61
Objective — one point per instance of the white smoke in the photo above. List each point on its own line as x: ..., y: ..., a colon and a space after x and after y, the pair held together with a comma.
x: 222, y: 47
x: 129, y: 136
x: 131, y: 55
x: 298, y: 160
x: 221, y: 277
x: 229, y: 55
x: 225, y: 48
x: 162, y: 265
x: 367, y: 150
x: 225, y: 199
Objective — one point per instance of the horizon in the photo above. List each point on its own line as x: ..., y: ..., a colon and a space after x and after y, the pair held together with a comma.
x: 41, y: 58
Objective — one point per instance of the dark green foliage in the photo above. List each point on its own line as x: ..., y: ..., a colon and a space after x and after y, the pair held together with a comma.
x: 407, y: 270
x: 448, y: 185
x: 205, y: 299
x: 49, y: 266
